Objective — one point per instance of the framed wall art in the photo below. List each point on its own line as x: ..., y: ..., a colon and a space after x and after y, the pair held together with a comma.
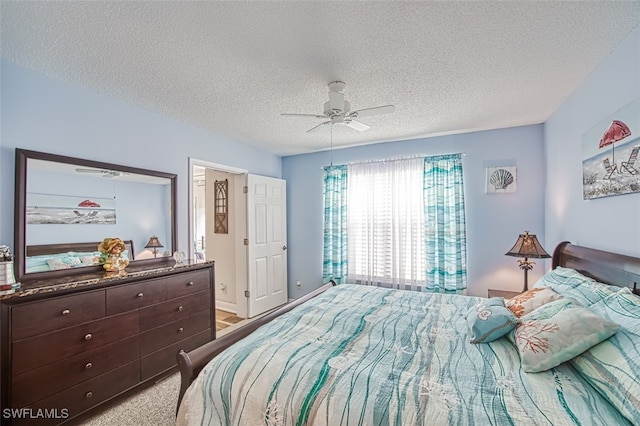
x: 53, y: 209
x: 610, y: 149
x: 501, y: 180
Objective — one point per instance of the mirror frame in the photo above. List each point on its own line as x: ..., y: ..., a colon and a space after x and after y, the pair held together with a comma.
x: 20, y: 210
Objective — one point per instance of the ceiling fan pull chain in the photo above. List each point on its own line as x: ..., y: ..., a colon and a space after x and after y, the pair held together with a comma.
x: 331, y: 147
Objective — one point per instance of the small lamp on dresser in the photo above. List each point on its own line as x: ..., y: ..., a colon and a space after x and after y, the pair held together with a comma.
x: 527, y: 246
x: 155, y: 244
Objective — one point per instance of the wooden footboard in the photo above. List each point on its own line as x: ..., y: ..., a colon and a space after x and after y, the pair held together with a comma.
x: 190, y: 364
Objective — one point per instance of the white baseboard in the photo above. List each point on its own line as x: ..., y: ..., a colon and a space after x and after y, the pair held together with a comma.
x: 226, y: 306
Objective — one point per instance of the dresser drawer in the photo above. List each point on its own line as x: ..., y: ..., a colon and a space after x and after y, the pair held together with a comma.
x: 174, y: 309
x: 192, y: 282
x: 165, y: 359
x: 41, y: 317
x: 42, y: 382
x: 82, y: 397
x: 168, y: 334
x: 38, y: 351
x: 133, y: 296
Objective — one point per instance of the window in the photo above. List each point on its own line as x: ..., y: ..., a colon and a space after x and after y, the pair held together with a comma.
x: 385, y: 223
x: 397, y: 223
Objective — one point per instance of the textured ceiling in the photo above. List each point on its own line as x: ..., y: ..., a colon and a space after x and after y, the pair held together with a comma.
x: 233, y: 67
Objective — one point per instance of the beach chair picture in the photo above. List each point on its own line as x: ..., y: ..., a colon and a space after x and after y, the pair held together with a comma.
x: 610, y: 151
x: 609, y: 169
x: 628, y: 165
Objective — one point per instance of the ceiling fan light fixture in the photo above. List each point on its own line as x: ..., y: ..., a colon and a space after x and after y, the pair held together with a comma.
x: 337, y: 110
x: 337, y: 86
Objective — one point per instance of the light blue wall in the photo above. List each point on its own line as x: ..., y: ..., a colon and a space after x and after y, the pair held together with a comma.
x: 611, y: 223
x: 44, y: 114
x: 142, y: 209
x: 493, y: 220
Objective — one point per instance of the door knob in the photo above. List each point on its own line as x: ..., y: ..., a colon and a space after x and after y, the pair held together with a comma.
x: 284, y: 247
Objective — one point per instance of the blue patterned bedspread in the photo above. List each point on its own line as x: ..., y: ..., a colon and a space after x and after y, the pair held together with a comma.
x: 358, y: 355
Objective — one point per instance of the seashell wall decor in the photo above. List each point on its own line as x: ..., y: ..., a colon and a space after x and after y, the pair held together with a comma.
x: 501, y: 180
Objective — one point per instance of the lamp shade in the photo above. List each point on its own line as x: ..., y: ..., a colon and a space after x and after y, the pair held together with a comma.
x: 528, y: 245
x: 154, y: 242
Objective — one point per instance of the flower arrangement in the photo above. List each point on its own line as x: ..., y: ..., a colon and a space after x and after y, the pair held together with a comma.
x: 111, y: 257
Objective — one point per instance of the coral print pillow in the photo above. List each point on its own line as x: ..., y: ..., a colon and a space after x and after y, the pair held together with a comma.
x: 526, y: 302
x: 557, y: 332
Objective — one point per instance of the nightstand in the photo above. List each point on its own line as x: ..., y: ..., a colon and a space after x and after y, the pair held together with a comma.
x: 503, y: 293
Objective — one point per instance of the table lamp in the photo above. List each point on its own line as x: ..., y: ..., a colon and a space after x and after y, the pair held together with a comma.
x: 155, y: 244
x: 527, y: 246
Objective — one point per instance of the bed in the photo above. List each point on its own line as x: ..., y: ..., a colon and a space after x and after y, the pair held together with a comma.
x: 351, y: 354
x: 52, y: 257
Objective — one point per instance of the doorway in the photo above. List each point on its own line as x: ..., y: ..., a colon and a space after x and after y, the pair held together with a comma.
x: 248, y: 245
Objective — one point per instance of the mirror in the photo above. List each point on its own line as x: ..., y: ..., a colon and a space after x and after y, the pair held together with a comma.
x: 65, y: 206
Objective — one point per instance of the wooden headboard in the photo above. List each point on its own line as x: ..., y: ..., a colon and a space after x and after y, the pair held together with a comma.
x: 603, y: 266
x: 37, y: 250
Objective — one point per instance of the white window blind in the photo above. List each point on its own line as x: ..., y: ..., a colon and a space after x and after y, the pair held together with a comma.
x: 386, y: 224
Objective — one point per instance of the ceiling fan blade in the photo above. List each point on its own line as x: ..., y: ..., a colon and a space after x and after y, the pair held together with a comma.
x: 80, y: 170
x: 336, y: 101
x: 358, y: 125
x: 288, y: 114
x: 385, y: 109
x: 104, y: 173
x: 315, y: 127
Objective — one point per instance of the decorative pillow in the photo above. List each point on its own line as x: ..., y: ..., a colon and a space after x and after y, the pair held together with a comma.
x: 526, y: 302
x: 558, y: 331
x: 562, y: 276
x: 612, y: 366
x: 490, y: 320
x: 570, y: 283
x: 89, y: 260
x: 37, y: 263
x: 63, y: 262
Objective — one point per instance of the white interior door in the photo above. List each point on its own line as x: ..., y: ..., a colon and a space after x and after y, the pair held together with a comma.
x: 267, y: 245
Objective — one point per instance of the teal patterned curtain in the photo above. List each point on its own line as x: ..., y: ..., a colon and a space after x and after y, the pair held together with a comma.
x: 445, y: 231
x: 334, y: 265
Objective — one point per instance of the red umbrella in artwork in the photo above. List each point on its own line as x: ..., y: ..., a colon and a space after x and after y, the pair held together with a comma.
x: 616, y: 132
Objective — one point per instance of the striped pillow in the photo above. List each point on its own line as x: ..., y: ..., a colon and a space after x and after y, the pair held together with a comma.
x: 613, y: 366
x: 572, y: 284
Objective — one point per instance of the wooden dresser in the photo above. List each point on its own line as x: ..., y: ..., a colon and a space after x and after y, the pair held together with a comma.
x: 66, y: 351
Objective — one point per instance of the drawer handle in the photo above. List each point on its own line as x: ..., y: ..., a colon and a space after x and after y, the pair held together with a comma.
x: 180, y: 330
x: 88, y: 395
x: 66, y: 312
x: 140, y: 294
x: 88, y: 366
x: 180, y: 308
x: 88, y: 336
x: 190, y: 284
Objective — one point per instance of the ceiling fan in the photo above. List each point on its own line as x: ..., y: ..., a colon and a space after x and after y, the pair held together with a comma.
x: 105, y: 173
x: 337, y: 110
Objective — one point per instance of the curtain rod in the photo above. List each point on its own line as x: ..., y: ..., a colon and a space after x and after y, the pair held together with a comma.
x: 410, y: 157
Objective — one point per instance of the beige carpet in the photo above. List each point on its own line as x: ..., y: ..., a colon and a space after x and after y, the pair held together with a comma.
x: 154, y: 406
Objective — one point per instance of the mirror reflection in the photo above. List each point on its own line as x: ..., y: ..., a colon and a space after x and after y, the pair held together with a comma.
x: 70, y: 207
